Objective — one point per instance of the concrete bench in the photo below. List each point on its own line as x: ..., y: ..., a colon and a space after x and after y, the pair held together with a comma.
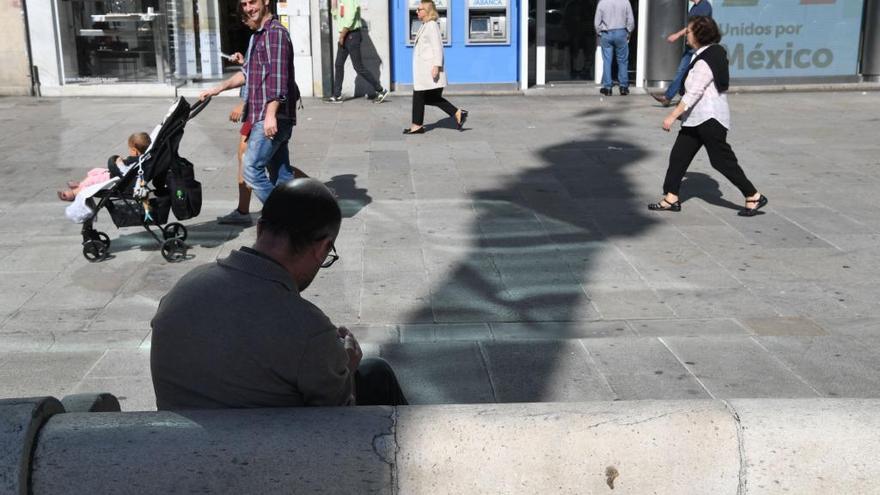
x: 802, y: 446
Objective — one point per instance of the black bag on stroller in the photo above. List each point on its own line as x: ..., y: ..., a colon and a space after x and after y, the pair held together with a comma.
x: 185, y: 191
x: 159, y: 182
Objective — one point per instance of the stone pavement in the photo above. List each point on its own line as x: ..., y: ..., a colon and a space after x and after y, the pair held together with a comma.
x: 512, y: 262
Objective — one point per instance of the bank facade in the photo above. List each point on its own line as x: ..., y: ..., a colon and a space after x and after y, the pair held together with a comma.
x: 155, y: 47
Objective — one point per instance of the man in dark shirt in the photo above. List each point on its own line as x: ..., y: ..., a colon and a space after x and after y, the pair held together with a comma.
x: 237, y: 333
x: 271, y: 99
x: 699, y: 7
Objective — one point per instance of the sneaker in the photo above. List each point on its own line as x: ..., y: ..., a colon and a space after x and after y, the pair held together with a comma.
x: 334, y: 99
x: 662, y: 99
x: 624, y: 91
x: 236, y: 218
x: 605, y: 91
x: 380, y: 96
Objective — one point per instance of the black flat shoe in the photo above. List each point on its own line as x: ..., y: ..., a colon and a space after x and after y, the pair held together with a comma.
x: 750, y: 212
x: 464, y: 115
x: 420, y: 130
x: 664, y: 205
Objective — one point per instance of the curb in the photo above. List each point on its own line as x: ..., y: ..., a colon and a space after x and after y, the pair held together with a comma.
x: 804, y: 446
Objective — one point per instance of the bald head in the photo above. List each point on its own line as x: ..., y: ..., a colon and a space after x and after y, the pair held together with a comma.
x: 303, y: 210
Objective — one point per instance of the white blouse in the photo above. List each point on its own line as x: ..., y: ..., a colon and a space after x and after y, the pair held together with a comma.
x: 701, y: 98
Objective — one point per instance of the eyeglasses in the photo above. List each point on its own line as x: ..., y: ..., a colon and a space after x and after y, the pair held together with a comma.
x: 331, y: 257
x: 420, y: 9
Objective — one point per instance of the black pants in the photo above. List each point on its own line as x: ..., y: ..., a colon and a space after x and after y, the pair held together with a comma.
x: 713, y: 136
x: 352, y: 46
x: 433, y: 97
x: 375, y: 384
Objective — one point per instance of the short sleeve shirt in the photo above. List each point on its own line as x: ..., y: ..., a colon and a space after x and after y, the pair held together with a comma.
x: 703, y: 8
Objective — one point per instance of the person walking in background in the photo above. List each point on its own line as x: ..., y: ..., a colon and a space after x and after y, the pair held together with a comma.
x: 429, y: 75
x: 699, y: 8
x: 614, y: 21
x: 705, y: 120
x: 348, y: 14
x: 241, y: 214
x: 271, y: 100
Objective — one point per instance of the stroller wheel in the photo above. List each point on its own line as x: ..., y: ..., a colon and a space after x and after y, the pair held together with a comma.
x: 174, y: 230
x: 95, y: 250
x: 104, y: 239
x: 173, y: 250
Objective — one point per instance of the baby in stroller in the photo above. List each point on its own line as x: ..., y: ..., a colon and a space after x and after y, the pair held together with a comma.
x: 117, y: 166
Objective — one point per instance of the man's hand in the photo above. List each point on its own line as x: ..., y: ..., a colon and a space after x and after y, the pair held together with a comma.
x: 209, y: 93
x: 435, y: 73
x: 235, y: 114
x: 341, y: 40
x: 237, y: 58
x: 270, y: 126
x: 351, y: 347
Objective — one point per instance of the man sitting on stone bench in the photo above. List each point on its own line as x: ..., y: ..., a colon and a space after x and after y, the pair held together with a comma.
x: 236, y: 333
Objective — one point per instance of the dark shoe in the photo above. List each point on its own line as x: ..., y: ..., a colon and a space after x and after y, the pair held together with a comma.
x: 664, y: 205
x: 624, y: 91
x: 605, y: 91
x: 750, y: 212
x: 460, y: 123
x: 380, y: 96
x: 420, y: 130
x: 662, y: 99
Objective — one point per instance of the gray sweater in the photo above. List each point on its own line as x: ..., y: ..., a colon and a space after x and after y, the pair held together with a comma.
x: 236, y: 333
x: 614, y: 14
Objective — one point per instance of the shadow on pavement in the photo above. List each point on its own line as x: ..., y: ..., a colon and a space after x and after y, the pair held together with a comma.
x: 533, y: 256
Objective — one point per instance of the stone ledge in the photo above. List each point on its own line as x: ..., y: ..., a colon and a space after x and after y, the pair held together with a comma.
x: 802, y: 446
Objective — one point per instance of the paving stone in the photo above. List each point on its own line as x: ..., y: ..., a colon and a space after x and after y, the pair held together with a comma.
x: 447, y: 373
x: 643, y: 368
x: 685, y: 328
x: 445, y: 332
x: 833, y: 365
x: 737, y: 367
x: 544, y: 371
x: 553, y: 330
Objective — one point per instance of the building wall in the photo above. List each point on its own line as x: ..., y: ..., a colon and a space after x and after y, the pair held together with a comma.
x: 464, y: 64
x: 14, y: 71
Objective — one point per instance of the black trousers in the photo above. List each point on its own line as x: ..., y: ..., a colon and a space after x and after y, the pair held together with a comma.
x: 375, y: 384
x: 433, y: 97
x: 352, y: 46
x: 713, y: 136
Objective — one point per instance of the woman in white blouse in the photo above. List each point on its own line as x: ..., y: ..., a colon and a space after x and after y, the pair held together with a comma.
x: 429, y: 76
x: 705, y: 119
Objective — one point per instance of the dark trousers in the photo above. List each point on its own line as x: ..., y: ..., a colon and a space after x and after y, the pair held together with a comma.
x: 375, y: 384
x: 352, y: 46
x: 713, y: 136
x: 433, y: 97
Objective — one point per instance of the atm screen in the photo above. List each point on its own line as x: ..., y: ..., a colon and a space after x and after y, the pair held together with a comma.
x: 480, y: 25
x: 414, y: 28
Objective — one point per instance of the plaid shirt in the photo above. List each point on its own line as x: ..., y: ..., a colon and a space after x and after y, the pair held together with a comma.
x: 269, y: 73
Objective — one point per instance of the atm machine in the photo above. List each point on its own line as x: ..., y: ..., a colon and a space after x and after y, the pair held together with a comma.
x: 413, y: 23
x: 487, y: 22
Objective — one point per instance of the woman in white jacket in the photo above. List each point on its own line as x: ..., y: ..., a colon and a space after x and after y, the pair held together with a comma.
x: 429, y: 78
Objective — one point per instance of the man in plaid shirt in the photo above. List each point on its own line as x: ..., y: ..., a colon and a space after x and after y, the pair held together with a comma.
x: 271, y: 99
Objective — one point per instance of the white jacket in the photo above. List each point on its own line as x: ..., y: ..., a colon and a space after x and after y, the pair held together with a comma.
x: 427, y: 53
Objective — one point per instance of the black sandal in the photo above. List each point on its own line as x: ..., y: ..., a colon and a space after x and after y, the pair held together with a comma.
x: 664, y: 205
x: 420, y: 130
x: 750, y: 212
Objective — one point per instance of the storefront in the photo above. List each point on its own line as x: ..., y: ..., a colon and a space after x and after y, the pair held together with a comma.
x: 117, y: 47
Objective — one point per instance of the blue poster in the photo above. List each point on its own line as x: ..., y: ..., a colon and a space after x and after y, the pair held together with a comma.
x: 790, y: 38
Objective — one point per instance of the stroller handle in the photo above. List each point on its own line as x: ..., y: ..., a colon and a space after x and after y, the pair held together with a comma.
x: 198, y: 107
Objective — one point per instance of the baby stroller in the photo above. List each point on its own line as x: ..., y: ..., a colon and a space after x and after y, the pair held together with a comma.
x: 160, y: 181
